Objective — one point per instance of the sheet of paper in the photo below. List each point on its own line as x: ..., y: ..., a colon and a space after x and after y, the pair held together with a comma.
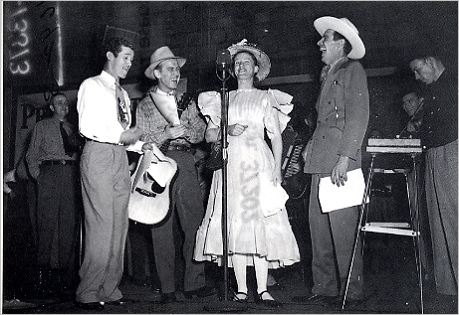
x: 333, y: 198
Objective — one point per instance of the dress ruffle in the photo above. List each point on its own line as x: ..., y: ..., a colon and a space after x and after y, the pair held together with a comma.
x: 210, y: 105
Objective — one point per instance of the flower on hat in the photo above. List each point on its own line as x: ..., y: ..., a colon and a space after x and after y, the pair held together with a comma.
x: 264, y: 64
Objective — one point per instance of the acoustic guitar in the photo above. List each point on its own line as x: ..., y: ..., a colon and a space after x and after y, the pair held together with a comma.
x: 150, y: 186
x: 149, y: 202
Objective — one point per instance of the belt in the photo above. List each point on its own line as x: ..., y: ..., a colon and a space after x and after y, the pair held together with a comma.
x: 59, y: 162
x: 92, y: 140
x: 178, y: 147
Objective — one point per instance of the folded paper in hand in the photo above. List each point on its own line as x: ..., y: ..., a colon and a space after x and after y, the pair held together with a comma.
x: 333, y: 198
x: 272, y: 198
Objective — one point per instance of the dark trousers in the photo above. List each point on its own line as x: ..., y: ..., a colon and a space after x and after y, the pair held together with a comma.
x: 186, y: 204
x: 441, y: 190
x: 143, y: 266
x: 19, y: 256
x: 57, y: 215
x: 333, y: 237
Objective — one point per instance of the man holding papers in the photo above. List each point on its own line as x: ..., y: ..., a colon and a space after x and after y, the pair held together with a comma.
x: 331, y: 154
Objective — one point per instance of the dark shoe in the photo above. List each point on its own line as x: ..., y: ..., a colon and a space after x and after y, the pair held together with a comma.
x: 315, y: 299
x: 266, y: 303
x: 118, y: 302
x: 201, y: 292
x: 91, y: 306
x: 240, y: 300
x: 168, y: 298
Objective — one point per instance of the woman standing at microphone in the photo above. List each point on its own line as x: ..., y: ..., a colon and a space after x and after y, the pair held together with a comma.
x: 259, y: 232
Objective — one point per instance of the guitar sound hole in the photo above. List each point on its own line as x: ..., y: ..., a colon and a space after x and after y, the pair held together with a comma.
x: 156, y: 188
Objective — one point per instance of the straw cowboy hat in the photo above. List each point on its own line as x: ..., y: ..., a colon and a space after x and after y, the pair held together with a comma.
x: 345, y: 28
x: 159, y: 55
x: 264, y: 64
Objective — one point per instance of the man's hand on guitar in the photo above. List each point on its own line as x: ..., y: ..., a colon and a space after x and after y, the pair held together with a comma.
x: 147, y: 146
x: 174, y: 132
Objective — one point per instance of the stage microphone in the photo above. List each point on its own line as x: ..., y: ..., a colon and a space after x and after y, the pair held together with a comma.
x: 223, y: 63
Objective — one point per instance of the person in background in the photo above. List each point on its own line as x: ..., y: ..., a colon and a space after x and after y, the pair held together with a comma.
x: 256, y: 236
x: 413, y: 106
x: 104, y: 120
x: 52, y: 161
x: 334, y: 150
x: 174, y: 128
x: 439, y: 137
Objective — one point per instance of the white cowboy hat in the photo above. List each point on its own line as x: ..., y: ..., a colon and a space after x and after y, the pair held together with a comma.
x: 345, y: 28
x: 264, y: 64
x: 159, y: 55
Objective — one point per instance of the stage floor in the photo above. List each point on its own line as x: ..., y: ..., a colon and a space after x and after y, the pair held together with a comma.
x: 390, y: 282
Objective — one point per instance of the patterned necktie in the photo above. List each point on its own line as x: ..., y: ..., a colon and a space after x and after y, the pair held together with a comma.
x: 324, y: 73
x: 65, y: 139
x: 123, y: 116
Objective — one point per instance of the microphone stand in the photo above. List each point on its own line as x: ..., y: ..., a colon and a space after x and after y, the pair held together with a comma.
x: 227, y: 306
x: 224, y: 133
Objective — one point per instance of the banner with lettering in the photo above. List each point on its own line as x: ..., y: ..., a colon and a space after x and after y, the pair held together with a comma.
x: 33, y: 51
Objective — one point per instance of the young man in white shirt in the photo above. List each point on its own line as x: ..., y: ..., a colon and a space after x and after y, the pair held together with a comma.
x: 104, y: 120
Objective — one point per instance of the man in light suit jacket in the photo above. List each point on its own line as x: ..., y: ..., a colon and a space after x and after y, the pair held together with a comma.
x: 334, y: 150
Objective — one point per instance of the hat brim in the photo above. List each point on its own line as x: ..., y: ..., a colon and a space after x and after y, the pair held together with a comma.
x: 264, y: 64
x: 149, y: 71
x: 331, y: 23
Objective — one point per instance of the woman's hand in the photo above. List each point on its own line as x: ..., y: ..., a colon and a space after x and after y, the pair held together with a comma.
x: 236, y: 129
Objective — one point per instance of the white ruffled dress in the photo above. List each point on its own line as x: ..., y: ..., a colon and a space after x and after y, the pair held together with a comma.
x: 250, y: 232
